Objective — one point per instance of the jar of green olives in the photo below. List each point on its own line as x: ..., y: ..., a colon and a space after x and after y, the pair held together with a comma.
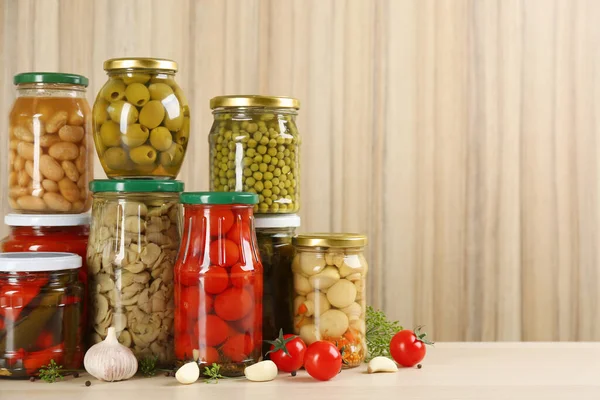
x: 141, y: 119
x: 255, y: 147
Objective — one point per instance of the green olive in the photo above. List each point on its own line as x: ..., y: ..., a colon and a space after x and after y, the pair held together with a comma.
x: 99, y: 113
x: 183, y: 135
x: 136, y: 78
x: 115, y: 158
x: 137, y: 94
x: 113, y: 90
x: 121, y: 111
x: 143, y: 155
x: 159, y: 91
x: 152, y: 114
x: 136, y: 135
x: 110, y: 134
x: 165, y: 159
x: 174, y: 124
x: 160, y: 138
x: 182, y: 99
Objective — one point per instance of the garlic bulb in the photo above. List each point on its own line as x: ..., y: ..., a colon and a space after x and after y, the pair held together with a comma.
x: 109, y: 360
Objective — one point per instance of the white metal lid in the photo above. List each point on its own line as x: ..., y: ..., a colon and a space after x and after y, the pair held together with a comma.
x: 38, y: 261
x: 277, y: 221
x: 47, y: 219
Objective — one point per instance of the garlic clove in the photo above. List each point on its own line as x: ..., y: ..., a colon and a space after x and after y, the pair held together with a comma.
x: 109, y: 360
x: 188, y: 373
x: 381, y: 364
x: 261, y: 372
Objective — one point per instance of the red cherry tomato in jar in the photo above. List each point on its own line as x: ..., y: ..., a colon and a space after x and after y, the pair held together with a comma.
x: 287, y: 352
x: 239, y: 233
x: 208, y: 355
x: 188, y: 276
x: 44, y: 340
x: 221, y: 221
x: 238, y: 347
x: 184, y: 347
x: 250, y: 322
x: 233, y: 304
x: 408, y: 347
x: 322, y: 360
x: 191, y: 300
x: 211, y: 331
x: 224, y: 252
x: 216, y: 279
x: 240, y: 276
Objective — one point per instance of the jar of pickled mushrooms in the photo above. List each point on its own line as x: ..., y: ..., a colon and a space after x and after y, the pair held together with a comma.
x: 133, y: 244
x: 329, y: 292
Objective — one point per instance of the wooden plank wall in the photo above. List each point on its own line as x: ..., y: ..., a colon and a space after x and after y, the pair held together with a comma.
x: 461, y: 135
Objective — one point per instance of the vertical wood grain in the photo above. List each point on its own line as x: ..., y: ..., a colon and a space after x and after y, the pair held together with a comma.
x: 460, y: 135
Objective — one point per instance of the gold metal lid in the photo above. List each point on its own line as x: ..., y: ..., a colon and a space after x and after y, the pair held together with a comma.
x: 254, y: 101
x: 330, y: 240
x: 140, y: 63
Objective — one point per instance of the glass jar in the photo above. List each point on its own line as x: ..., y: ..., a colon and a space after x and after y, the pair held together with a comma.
x: 49, y: 156
x: 134, y: 239
x: 41, y: 301
x: 218, y: 283
x: 255, y: 147
x: 66, y: 233
x: 329, y: 287
x: 274, y: 234
x: 141, y: 119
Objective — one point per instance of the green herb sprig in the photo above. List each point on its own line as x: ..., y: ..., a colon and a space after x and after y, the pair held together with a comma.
x: 212, y: 373
x: 379, y: 333
x: 148, y: 365
x: 52, y: 372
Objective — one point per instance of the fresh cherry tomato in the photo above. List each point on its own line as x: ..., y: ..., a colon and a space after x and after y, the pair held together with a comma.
x: 224, y: 252
x: 221, y: 221
x: 208, y: 355
x: 238, y: 347
x: 241, y: 275
x: 287, y: 352
x: 211, y: 330
x: 408, y: 347
x: 216, y: 279
x: 322, y: 360
x: 233, y: 304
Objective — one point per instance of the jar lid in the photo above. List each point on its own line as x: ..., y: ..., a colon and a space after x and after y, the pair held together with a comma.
x: 330, y: 240
x: 219, y: 198
x: 47, y: 219
x: 135, y: 186
x: 38, y: 262
x: 50, y: 77
x: 276, y: 221
x: 254, y: 101
x: 140, y: 63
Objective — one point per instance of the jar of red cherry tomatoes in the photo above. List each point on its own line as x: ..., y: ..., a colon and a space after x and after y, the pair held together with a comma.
x: 219, y: 282
x: 41, y: 301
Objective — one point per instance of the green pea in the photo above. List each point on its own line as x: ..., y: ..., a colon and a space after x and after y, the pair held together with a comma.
x: 285, y: 169
x: 277, y: 172
x: 247, y: 161
x: 267, y: 192
x: 274, y: 161
x: 269, y: 201
x: 272, y: 143
x: 225, y: 151
x: 263, y: 207
x: 282, y: 207
x: 287, y: 184
x: 272, y: 152
x: 257, y: 136
x: 231, y: 156
x: 252, y: 191
x: 228, y: 135
x: 250, y: 181
x: 268, y: 175
x: 258, y: 158
x: 261, y: 198
x: 281, y: 164
x: 275, y: 207
x: 263, y: 167
x: 276, y: 190
x: 247, y: 172
x: 275, y: 181
x: 258, y: 175
x: 287, y: 161
x: 254, y: 167
x: 231, y: 165
x: 271, y: 168
x: 261, y: 149
x: 231, y: 146
x: 264, y: 141
x: 259, y: 186
x: 267, y: 159
x: 252, y: 143
x: 284, y: 192
x: 251, y: 152
x: 230, y: 173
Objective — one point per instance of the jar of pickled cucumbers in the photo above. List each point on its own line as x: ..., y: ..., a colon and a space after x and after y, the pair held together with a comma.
x: 274, y: 234
x: 41, y: 304
x: 219, y: 283
x: 330, y: 273
x: 50, y: 144
x: 255, y: 147
x: 132, y: 248
x: 141, y: 119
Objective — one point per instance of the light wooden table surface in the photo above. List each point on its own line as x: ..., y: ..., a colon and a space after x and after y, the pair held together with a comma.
x: 450, y: 371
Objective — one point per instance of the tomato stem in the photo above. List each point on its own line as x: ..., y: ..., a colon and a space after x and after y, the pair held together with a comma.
x: 280, y: 343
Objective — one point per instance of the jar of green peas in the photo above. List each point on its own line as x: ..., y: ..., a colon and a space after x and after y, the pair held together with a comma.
x: 141, y: 119
x: 255, y: 147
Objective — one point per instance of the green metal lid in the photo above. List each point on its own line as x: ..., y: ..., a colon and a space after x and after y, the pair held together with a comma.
x: 219, y: 198
x: 135, y: 186
x: 50, y: 77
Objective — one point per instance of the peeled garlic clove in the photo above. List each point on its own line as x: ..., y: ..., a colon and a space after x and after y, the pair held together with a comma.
x: 311, y: 263
x: 301, y: 285
x: 325, y: 278
x: 342, y: 293
x: 188, y: 373
x: 333, y: 323
x: 261, y: 372
x: 381, y: 364
x: 353, y: 311
x: 334, y: 259
x: 109, y: 360
x: 309, y: 334
x: 321, y: 304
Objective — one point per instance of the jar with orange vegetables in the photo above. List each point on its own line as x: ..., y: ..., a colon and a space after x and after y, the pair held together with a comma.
x: 219, y: 283
x: 329, y: 292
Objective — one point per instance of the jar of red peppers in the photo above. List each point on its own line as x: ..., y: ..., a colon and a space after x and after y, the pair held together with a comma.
x: 218, y: 282
x: 41, y: 301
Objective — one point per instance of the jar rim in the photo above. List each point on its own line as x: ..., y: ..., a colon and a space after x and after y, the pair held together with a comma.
x: 50, y: 77
x: 140, y: 63
x: 38, y: 261
x: 276, y: 221
x: 218, y: 198
x: 330, y: 240
x: 135, y: 186
x: 47, y: 219
x: 254, y: 101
